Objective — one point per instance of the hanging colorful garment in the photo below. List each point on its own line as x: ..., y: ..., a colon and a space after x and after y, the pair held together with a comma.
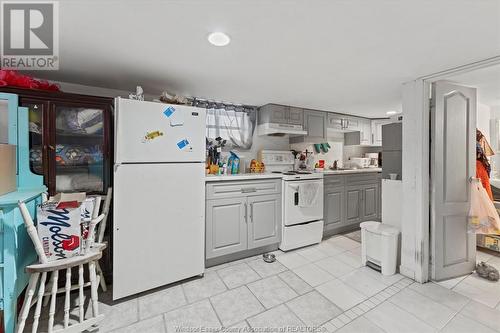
x: 483, y: 167
x: 483, y: 174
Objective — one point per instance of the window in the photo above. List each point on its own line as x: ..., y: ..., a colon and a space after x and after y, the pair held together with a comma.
x: 231, y: 123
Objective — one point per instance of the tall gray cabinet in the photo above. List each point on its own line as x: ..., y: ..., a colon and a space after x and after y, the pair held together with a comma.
x: 350, y: 200
x: 241, y: 216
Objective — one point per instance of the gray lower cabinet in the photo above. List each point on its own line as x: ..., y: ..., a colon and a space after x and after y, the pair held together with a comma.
x: 264, y: 217
x: 334, y: 207
x: 353, y: 195
x: 226, y: 227
x: 350, y: 200
x: 370, y: 201
x: 242, y: 216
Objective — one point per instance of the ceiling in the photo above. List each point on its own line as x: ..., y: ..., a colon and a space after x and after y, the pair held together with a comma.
x: 346, y: 56
x: 486, y: 81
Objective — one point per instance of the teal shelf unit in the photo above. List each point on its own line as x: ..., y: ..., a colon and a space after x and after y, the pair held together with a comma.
x: 16, y: 248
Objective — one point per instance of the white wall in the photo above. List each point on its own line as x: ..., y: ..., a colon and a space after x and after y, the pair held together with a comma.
x: 483, y: 120
x: 262, y: 142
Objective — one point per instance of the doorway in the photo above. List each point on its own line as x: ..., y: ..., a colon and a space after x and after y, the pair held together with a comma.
x: 465, y: 110
x: 416, y: 224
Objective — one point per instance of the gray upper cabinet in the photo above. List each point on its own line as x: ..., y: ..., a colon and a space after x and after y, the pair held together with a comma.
x: 352, y: 123
x: 295, y: 115
x: 226, y: 227
x: 361, y: 136
x: 280, y: 114
x: 365, y: 129
x: 392, y: 135
x: 377, y: 130
x: 336, y: 121
x: 264, y: 220
x: 315, y: 124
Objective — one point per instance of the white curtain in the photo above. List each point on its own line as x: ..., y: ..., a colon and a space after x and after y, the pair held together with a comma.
x: 231, y: 123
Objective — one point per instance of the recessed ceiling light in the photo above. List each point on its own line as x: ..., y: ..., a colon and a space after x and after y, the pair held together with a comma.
x: 219, y: 39
x: 391, y: 113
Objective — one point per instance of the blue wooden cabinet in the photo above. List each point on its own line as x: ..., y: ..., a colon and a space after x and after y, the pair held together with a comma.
x: 16, y: 248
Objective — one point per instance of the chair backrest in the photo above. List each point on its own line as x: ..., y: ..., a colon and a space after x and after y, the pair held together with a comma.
x: 91, y: 234
x: 32, y: 232
x: 105, y: 211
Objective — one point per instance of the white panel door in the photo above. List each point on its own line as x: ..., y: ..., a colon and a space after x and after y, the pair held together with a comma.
x: 453, y: 148
x: 158, y: 225
x: 155, y: 132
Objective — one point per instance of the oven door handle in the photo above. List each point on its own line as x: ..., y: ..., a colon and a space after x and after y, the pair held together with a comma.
x: 295, y: 194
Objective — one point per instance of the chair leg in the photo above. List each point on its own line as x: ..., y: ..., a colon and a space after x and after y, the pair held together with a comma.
x: 80, y: 288
x: 27, y: 302
x: 101, y: 276
x: 41, y: 291
x: 67, y: 297
x: 93, y: 289
x: 53, y: 295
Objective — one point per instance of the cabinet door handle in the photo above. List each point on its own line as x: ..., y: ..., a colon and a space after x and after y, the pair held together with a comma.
x: 251, y: 213
x: 246, y: 213
x: 248, y: 190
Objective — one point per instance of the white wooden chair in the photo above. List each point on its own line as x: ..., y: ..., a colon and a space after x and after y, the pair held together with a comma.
x: 38, y: 273
x: 100, y: 231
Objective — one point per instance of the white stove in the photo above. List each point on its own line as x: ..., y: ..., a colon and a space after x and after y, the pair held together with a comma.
x: 302, y: 204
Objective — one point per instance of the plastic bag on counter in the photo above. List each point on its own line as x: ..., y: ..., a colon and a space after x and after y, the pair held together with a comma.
x: 483, y: 216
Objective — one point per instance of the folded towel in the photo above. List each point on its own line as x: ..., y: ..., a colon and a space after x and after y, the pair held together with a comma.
x: 308, y: 192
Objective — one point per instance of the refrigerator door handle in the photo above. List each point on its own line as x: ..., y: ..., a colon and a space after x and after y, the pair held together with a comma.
x: 115, y: 167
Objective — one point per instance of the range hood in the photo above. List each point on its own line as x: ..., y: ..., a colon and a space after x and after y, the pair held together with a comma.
x: 277, y: 129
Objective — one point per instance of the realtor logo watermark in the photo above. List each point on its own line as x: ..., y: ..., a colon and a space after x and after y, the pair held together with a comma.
x: 30, y: 35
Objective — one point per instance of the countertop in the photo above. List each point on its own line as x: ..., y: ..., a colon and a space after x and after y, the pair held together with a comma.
x: 349, y: 171
x: 254, y: 176
x: 242, y: 176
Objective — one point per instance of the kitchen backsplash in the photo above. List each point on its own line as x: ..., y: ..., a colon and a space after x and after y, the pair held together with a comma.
x: 334, y: 152
x: 337, y: 151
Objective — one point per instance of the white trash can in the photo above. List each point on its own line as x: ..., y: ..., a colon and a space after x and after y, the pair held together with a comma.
x: 379, y: 246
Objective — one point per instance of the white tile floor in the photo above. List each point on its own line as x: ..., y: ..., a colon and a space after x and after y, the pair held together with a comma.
x: 322, y: 286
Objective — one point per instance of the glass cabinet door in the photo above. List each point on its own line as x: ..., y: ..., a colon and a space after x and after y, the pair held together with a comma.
x: 36, y: 141
x: 79, y: 149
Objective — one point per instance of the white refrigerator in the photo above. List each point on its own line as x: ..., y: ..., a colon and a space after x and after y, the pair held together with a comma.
x: 159, y: 195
